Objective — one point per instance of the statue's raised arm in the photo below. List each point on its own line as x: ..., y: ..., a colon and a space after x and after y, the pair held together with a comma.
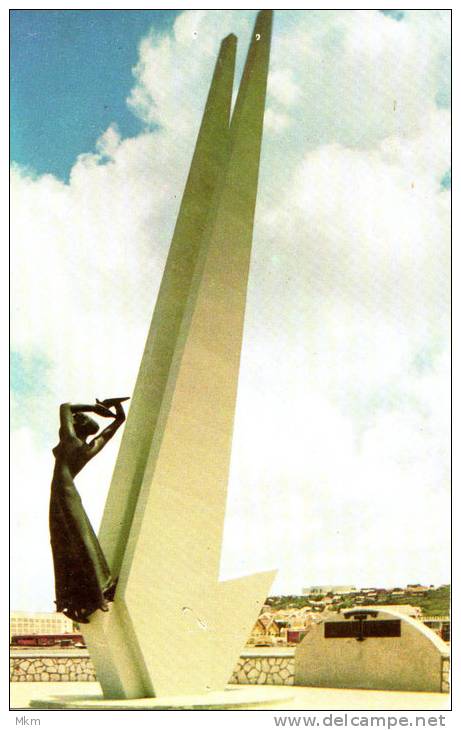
x: 83, y: 580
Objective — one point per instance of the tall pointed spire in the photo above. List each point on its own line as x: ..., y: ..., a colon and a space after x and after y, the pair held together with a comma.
x: 209, y: 158
x: 174, y: 628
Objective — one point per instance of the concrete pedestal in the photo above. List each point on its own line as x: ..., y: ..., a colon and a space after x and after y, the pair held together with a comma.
x: 232, y: 698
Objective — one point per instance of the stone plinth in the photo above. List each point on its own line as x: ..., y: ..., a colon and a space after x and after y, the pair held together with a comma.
x: 414, y: 661
x: 234, y: 698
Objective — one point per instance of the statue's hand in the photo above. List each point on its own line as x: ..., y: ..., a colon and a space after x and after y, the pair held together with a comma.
x: 101, y: 410
x: 109, y: 402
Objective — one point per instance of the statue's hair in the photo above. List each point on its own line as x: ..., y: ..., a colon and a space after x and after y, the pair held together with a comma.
x: 85, y: 424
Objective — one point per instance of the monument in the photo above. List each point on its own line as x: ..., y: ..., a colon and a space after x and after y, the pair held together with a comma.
x: 174, y: 628
x: 372, y: 648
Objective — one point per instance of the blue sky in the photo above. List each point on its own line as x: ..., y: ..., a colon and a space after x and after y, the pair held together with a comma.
x: 70, y: 76
x: 71, y: 73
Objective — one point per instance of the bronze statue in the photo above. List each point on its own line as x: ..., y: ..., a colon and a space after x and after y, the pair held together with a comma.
x: 82, y: 576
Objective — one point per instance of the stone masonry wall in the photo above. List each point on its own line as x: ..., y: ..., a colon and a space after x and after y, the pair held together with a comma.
x: 264, y: 670
x: 249, y: 670
x: 51, y: 669
x: 445, y: 683
x: 252, y: 669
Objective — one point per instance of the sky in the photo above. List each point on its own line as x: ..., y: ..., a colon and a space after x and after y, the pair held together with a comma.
x: 340, y: 465
x: 70, y: 75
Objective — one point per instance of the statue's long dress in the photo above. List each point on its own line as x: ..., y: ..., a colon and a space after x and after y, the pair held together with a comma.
x: 83, y: 580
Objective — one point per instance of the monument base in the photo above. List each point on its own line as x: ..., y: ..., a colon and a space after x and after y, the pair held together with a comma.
x: 232, y: 698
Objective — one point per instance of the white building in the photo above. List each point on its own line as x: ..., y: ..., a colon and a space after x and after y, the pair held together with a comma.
x: 23, y: 622
x: 323, y: 590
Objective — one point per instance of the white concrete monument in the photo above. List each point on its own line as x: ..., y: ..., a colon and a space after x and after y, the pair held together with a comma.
x: 174, y: 628
x: 372, y: 648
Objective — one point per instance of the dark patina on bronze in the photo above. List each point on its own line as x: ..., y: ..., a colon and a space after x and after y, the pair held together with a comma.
x: 83, y: 580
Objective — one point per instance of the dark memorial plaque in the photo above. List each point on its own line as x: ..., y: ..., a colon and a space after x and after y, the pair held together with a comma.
x: 382, y: 628
x: 342, y: 629
x: 361, y: 630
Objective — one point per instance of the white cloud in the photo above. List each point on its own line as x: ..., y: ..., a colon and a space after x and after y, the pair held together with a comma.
x: 276, y: 121
x: 339, y: 470
x: 283, y: 87
x: 109, y: 141
x: 30, y: 546
x: 31, y: 557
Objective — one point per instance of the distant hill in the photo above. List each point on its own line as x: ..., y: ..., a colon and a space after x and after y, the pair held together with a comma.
x: 285, y: 602
x: 434, y: 602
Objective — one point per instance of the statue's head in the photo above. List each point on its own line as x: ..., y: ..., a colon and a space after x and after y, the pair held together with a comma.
x: 84, y: 425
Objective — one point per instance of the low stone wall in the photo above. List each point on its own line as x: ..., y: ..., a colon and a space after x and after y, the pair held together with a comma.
x: 445, y: 684
x: 251, y: 669
x: 51, y: 669
x: 264, y: 670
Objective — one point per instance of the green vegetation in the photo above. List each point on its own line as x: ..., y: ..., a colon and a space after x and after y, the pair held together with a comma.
x: 347, y: 603
x: 435, y: 602
x: 432, y: 603
x: 285, y: 602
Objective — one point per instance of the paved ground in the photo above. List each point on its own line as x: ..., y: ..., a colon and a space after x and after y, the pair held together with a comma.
x: 302, y: 698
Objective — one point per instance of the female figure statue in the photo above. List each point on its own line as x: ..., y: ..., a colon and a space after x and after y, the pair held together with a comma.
x: 82, y: 577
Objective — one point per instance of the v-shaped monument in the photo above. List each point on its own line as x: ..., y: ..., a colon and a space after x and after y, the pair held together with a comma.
x: 174, y: 628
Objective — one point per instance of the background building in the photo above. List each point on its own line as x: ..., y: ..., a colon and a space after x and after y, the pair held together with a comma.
x: 328, y: 589
x: 23, y: 622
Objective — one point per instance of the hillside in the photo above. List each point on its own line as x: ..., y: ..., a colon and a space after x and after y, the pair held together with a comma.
x: 435, y: 602
x: 432, y: 603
